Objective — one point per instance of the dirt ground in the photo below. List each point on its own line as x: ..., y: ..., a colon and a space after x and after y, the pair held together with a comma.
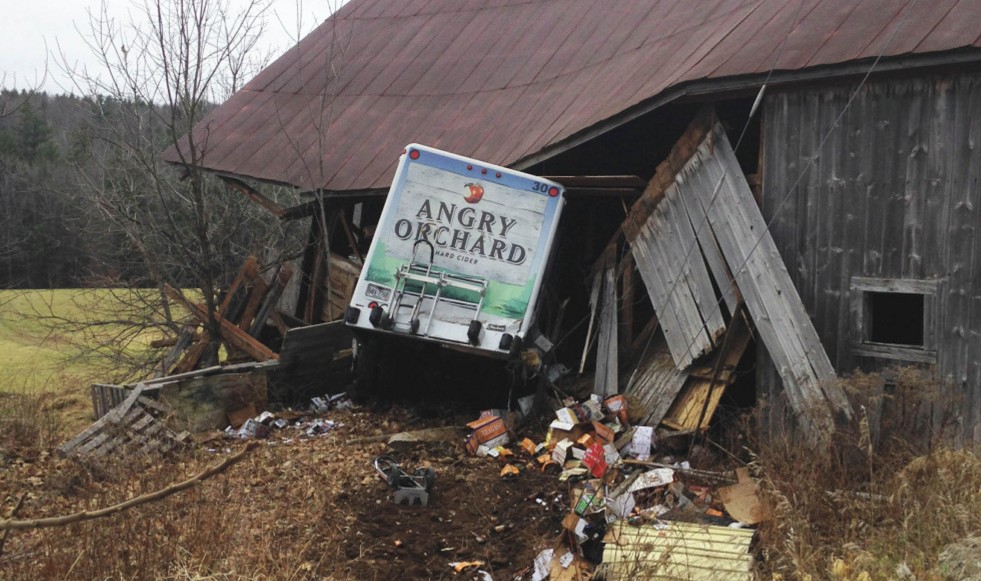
x: 296, y: 507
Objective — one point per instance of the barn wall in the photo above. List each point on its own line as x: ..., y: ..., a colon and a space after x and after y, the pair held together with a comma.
x: 893, y: 192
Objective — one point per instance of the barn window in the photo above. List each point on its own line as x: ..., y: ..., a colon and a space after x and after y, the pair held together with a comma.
x: 893, y: 318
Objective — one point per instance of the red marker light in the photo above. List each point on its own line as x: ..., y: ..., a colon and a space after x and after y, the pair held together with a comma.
x: 403, y: 152
x: 553, y: 191
x: 469, y: 167
x: 414, y: 154
x: 484, y: 170
x: 372, y: 304
x: 498, y: 174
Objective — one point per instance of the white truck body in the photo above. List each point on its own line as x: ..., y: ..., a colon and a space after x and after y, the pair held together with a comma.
x: 459, y: 253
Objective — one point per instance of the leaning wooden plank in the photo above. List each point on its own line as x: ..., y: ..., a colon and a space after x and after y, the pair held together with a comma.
x: 607, y: 359
x: 235, y: 336
x: 770, y: 296
x: 710, y: 250
x: 120, y: 411
x: 670, y: 261
x: 659, y: 289
x: 697, y: 275
x: 278, y: 285
x: 593, y: 308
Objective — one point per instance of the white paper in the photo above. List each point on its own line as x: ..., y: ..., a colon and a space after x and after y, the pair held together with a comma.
x: 610, y: 454
x: 543, y: 565
x: 566, y: 559
x: 652, y: 478
x: 618, y: 507
x: 566, y: 415
x: 640, y: 445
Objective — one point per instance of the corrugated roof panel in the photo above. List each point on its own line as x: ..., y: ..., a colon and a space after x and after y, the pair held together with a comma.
x: 521, y: 49
x: 443, y: 37
x: 864, y: 17
x: 760, y: 51
x: 928, y: 16
x: 454, y: 65
x: 958, y: 28
x: 568, y: 65
x: 677, y: 550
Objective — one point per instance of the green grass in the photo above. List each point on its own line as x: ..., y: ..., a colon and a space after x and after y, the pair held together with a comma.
x: 55, y: 343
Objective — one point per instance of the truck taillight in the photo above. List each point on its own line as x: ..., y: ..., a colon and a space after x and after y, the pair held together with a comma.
x: 553, y: 191
x: 414, y: 153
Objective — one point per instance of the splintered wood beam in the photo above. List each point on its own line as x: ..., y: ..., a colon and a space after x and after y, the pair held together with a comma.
x: 254, y: 195
x: 350, y: 235
x: 277, y: 286
x: 229, y: 332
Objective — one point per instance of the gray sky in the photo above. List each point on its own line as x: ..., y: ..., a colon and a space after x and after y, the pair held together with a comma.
x: 27, y: 25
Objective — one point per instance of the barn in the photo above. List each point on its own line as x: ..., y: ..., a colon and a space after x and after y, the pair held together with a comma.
x: 762, y: 194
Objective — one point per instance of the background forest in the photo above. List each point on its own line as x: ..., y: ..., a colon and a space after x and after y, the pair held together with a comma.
x: 72, y: 199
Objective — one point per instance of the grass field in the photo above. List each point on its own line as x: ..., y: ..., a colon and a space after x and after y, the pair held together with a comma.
x: 52, y: 345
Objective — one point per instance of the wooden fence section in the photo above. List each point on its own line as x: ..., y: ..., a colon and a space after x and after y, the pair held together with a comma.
x: 128, y: 427
x: 105, y: 397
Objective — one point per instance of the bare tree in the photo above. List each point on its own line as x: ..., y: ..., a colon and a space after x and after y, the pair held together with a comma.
x: 161, y: 73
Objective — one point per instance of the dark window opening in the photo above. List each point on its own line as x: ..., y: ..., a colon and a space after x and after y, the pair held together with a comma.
x: 896, y: 318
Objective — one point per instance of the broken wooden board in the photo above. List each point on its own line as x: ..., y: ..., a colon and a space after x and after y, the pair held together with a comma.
x: 655, y: 383
x: 342, y: 277
x: 695, y: 405
x: 676, y: 278
x: 204, y: 403
x: 607, y: 361
x: 229, y: 331
x: 676, y: 550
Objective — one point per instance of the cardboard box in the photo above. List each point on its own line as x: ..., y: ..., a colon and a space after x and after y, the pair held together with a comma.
x: 604, y: 434
x: 489, y: 431
x: 567, y: 415
x: 561, y: 451
x: 558, y: 431
x: 618, y: 405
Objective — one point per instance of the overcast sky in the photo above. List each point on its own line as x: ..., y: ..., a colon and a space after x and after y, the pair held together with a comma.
x: 29, y: 28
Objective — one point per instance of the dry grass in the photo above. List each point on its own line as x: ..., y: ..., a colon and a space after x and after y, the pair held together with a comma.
x: 883, y: 498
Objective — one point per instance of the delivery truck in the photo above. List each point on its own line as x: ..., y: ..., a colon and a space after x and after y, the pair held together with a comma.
x: 458, y: 256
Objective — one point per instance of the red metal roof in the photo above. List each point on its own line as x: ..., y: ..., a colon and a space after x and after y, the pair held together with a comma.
x: 502, y: 80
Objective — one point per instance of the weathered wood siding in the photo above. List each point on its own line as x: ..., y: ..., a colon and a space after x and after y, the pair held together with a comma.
x: 886, y: 187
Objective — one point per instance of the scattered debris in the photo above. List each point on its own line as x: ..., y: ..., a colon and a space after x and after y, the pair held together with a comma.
x: 410, y: 489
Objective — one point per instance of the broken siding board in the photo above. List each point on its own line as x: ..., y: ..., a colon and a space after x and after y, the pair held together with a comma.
x: 682, y: 294
x: 712, y: 254
x: 696, y: 273
x: 698, y: 394
x: 593, y: 307
x: 657, y: 289
x: 607, y: 360
x: 670, y: 295
x: 655, y: 383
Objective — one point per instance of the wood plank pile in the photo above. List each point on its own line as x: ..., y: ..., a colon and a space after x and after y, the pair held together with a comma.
x: 248, y: 304
x: 131, y: 427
